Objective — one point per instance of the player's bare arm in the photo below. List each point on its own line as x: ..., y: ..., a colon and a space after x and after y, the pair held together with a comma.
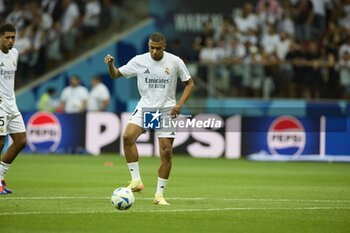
x: 113, y: 71
x: 189, y: 87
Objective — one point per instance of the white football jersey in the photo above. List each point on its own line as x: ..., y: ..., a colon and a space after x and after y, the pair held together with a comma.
x: 74, y: 98
x: 8, y: 67
x: 97, y: 94
x: 156, y: 80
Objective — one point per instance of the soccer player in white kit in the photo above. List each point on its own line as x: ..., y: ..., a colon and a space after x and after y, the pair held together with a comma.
x: 11, y: 121
x: 99, y: 96
x: 157, y: 72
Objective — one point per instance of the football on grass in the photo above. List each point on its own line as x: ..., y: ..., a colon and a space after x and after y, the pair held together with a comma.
x: 122, y: 198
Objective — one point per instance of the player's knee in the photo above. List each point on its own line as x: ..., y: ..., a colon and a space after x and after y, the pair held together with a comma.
x: 127, y: 140
x: 20, y: 142
x: 2, y: 144
x: 166, y: 152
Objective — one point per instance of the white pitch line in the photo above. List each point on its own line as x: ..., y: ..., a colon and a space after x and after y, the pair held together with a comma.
x: 102, y: 198
x: 179, y: 198
x: 284, y: 200
x: 173, y: 210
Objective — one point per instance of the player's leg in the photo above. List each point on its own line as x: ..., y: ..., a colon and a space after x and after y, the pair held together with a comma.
x: 166, y: 152
x: 2, y: 168
x: 131, y: 133
x: 2, y: 143
x: 19, y: 142
x: 16, y: 129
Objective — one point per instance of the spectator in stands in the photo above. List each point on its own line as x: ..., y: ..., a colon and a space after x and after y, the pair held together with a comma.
x: 320, y: 20
x: 45, y: 24
x: 330, y: 45
x: 236, y: 53
x: 111, y: 14
x: 332, y: 38
x: 286, y: 68
x: 247, y: 24
x: 311, y: 75
x: 344, y: 18
x: 344, y: 67
x: 294, y: 57
x: 304, y: 18
x: 70, y: 23
x: 207, y: 55
x: 332, y: 87
x: 268, y: 12
x: 201, y: 40
x: 227, y: 31
x: 282, y: 46
x: 286, y: 24
x: 2, y: 8
x: 91, y: 17
x: 53, y: 8
x: 24, y: 46
x: 270, y: 40
x: 299, y: 28
x: 40, y: 24
x: 222, y: 71
x: 99, y: 95
x: 272, y: 82
x: 74, y: 97
x: 271, y: 8
x: 17, y: 16
x: 253, y: 72
x: 175, y: 47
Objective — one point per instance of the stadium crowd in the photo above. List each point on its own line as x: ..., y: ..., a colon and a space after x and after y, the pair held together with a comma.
x: 279, y: 48
x: 276, y: 48
x: 51, y: 31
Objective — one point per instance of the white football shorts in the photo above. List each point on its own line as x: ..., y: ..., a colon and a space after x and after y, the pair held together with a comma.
x: 137, y: 118
x: 11, y: 123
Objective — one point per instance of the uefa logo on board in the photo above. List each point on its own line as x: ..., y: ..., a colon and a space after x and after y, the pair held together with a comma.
x: 286, y: 136
x: 43, y: 132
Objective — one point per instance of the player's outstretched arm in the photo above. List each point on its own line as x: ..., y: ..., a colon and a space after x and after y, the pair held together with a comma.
x: 113, y: 71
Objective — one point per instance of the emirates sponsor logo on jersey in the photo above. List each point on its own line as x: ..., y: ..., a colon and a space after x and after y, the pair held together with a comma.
x: 7, y: 74
x: 157, y: 82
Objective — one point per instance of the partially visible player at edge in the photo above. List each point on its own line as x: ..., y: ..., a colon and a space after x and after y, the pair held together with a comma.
x: 11, y: 121
x: 156, y: 65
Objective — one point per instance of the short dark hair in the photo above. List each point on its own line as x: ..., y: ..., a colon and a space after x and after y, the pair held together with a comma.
x: 157, y: 37
x: 74, y: 76
x: 51, y: 91
x: 7, y: 27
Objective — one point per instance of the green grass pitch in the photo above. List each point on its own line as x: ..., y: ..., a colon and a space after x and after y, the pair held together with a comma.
x: 71, y: 193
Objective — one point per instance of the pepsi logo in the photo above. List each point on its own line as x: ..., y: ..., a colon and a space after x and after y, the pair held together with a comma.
x: 43, y: 132
x: 286, y: 136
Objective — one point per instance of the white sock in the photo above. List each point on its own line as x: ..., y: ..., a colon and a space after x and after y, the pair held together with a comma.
x: 161, y: 185
x: 4, y: 167
x: 134, y: 170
